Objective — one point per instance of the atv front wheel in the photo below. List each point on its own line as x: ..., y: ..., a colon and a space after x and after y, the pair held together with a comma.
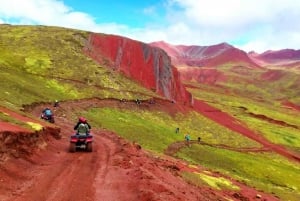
x: 72, y: 147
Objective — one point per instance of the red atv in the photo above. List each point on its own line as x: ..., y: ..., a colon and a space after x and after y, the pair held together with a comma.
x: 81, y: 142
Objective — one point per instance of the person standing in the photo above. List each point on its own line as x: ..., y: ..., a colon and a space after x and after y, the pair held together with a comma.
x: 187, y: 138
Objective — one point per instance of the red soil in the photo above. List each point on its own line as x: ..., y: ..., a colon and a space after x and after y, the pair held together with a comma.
x: 291, y: 105
x: 202, y: 75
x: 230, y: 122
x: 115, y: 170
x: 150, y: 66
x: 18, y: 116
x: 272, y: 75
x: 5, y: 126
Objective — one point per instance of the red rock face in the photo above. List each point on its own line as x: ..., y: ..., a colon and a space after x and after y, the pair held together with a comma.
x: 150, y: 66
x: 205, y: 56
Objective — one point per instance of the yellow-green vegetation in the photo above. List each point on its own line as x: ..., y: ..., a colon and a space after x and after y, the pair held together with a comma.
x: 277, y: 134
x: 268, y: 172
x: 47, y: 63
x: 241, y: 107
x: 156, y: 130
x: 202, y: 179
x: 42, y: 64
x: 29, y: 125
x: 35, y: 126
x: 276, y: 84
x: 257, y: 104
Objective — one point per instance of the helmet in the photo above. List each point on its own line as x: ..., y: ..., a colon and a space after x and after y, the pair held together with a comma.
x: 82, y: 120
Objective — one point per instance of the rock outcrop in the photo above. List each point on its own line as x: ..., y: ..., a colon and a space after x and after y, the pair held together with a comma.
x: 150, y: 66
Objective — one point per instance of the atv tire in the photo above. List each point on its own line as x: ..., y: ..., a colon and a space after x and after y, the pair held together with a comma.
x: 72, y: 147
x: 89, y: 147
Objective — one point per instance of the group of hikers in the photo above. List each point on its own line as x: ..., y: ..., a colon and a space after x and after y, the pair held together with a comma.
x: 187, y: 137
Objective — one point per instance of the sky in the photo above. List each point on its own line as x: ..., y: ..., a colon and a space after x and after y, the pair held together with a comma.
x: 251, y: 25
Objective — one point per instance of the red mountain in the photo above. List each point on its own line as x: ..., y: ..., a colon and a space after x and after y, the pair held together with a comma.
x: 205, y: 56
x: 286, y: 57
x: 150, y: 66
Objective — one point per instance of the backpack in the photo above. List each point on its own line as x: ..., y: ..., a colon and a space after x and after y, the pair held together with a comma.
x: 82, y: 129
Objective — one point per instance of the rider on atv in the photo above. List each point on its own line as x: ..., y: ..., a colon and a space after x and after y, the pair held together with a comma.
x: 46, y: 114
x: 82, y: 127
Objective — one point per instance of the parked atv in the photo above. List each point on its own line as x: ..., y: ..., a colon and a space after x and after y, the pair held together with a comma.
x: 83, y: 142
x: 49, y: 118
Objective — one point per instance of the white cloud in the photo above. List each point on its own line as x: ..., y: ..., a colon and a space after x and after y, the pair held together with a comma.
x: 52, y: 12
x: 247, y: 24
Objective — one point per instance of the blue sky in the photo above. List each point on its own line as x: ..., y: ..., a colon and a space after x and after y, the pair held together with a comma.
x: 131, y: 12
x: 257, y: 25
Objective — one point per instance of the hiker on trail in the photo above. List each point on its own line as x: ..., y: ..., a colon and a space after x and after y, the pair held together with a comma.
x: 56, y: 103
x: 177, y: 130
x: 82, y: 127
x: 199, y: 139
x: 138, y: 101
x: 187, y: 138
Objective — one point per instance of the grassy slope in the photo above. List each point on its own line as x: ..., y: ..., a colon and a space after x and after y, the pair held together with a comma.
x: 244, y: 94
x: 47, y: 63
x: 40, y: 64
x: 156, y: 130
x: 236, y: 99
x: 268, y: 172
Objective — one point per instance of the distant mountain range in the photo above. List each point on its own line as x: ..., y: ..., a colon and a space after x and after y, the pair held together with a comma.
x: 223, y: 53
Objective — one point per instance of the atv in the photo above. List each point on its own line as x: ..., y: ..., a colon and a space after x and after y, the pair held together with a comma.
x: 48, y: 118
x: 83, y: 142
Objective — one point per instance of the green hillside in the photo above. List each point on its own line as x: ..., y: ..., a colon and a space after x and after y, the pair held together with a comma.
x: 42, y: 64
x: 258, y: 103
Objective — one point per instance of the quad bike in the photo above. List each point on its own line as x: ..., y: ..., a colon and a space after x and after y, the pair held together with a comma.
x: 81, y: 142
x: 48, y: 118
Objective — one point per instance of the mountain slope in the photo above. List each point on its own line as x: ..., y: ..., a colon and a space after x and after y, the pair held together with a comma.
x: 148, y: 65
x: 205, y: 56
x: 285, y: 57
x: 100, y: 76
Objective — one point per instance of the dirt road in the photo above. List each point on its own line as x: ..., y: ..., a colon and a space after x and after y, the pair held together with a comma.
x: 115, y: 170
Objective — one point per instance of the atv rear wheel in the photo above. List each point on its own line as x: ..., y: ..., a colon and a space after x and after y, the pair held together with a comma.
x: 89, y: 147
x: 72, y: 147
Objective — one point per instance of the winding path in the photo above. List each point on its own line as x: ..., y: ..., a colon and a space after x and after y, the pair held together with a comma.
x: 176, y: 146
x: 115, y: 170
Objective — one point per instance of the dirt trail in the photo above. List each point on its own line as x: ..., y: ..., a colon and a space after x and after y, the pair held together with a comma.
x: 115, y: 170
x: 176, y: 146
